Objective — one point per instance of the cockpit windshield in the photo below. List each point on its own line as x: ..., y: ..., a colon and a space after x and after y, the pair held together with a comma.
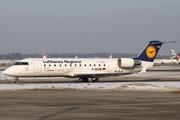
x: 21, y: 63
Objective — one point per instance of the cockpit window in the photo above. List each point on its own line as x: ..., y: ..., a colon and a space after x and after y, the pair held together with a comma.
x: 21, y: 63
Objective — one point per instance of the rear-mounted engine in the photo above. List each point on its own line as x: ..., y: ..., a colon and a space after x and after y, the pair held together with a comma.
x: 128, y: 62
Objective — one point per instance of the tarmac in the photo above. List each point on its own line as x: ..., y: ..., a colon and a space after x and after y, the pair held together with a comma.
x: 73, y: 104
x: 154, y: 95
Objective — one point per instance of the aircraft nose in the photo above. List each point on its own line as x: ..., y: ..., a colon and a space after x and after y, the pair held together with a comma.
x: 11, y: 71
x: 8, y: 72
x: 5, y: 72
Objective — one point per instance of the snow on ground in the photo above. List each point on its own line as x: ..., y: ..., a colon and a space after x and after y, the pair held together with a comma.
x: 121, y: 86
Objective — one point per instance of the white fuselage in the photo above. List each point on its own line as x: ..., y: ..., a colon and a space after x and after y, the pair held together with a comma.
x: 69, y: 67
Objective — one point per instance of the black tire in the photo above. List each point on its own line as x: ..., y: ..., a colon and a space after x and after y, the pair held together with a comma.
x: 85, y: 79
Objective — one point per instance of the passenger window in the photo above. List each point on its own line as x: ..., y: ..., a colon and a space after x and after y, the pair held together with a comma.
x: 104, y: 65
x: 94, y: 65
x: 60, y: 65
x: 70, y: 65
x: 80, y: 65
x: 44, y: 65
x: 65, y: 65
x: 99, y: 65
x: 89, y: 65
x: 75, y: 65
x: 49, y: 65
x: 84, y: 65
x: 54, y: 65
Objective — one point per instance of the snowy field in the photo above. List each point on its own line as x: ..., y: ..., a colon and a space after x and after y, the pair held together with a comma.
x: 159, y: 86
x: 121, y: 86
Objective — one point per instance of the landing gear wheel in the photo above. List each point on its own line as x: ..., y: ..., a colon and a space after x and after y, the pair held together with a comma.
x: 17, y: 80
x: 83, y: 79
x: 95, y: 80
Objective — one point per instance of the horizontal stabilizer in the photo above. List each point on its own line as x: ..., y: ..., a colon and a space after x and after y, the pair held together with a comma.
x: 160, y: 42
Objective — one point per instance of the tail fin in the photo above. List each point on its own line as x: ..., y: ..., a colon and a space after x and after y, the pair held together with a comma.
x: 175, y: 55
x: 173, y: 52
x: 45, y: 55
x: 110, y: 56
x: 150, y: 51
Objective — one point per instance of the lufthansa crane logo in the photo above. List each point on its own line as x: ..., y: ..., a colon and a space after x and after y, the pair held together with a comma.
x: 151, y: 52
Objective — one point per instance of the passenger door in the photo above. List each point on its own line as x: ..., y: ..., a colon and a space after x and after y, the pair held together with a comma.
x: 37, y: 66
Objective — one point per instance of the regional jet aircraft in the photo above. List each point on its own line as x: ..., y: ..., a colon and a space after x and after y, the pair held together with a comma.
x: 84, y: 68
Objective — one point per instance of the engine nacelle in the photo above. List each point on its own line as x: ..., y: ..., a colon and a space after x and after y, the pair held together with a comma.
x: 128, y: 62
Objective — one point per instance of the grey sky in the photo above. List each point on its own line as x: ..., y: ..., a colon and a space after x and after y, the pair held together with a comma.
x: 87, y: 26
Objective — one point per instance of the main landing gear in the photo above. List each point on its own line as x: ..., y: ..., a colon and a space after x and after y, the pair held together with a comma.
x: 83, y: 79
x: 86, y: 79
x: 95, y: 79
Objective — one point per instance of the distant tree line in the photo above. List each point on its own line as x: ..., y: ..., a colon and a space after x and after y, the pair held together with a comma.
x: 12, y: 56
x: 18, y: 56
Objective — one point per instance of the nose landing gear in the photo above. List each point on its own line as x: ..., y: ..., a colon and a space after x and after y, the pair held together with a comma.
x: 16, y: 80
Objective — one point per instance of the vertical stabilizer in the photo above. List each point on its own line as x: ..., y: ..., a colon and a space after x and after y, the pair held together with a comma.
x: 110, y: 56
x: 175, y: 55
x: 150, y: 51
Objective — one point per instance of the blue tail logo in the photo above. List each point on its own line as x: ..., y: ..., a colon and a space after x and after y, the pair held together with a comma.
x: 150, y: 51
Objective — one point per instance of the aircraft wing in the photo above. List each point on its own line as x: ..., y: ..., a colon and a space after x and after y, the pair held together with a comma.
x: 97, y: 75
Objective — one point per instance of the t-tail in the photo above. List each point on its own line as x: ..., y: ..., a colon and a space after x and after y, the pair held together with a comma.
x: 149, y: 53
